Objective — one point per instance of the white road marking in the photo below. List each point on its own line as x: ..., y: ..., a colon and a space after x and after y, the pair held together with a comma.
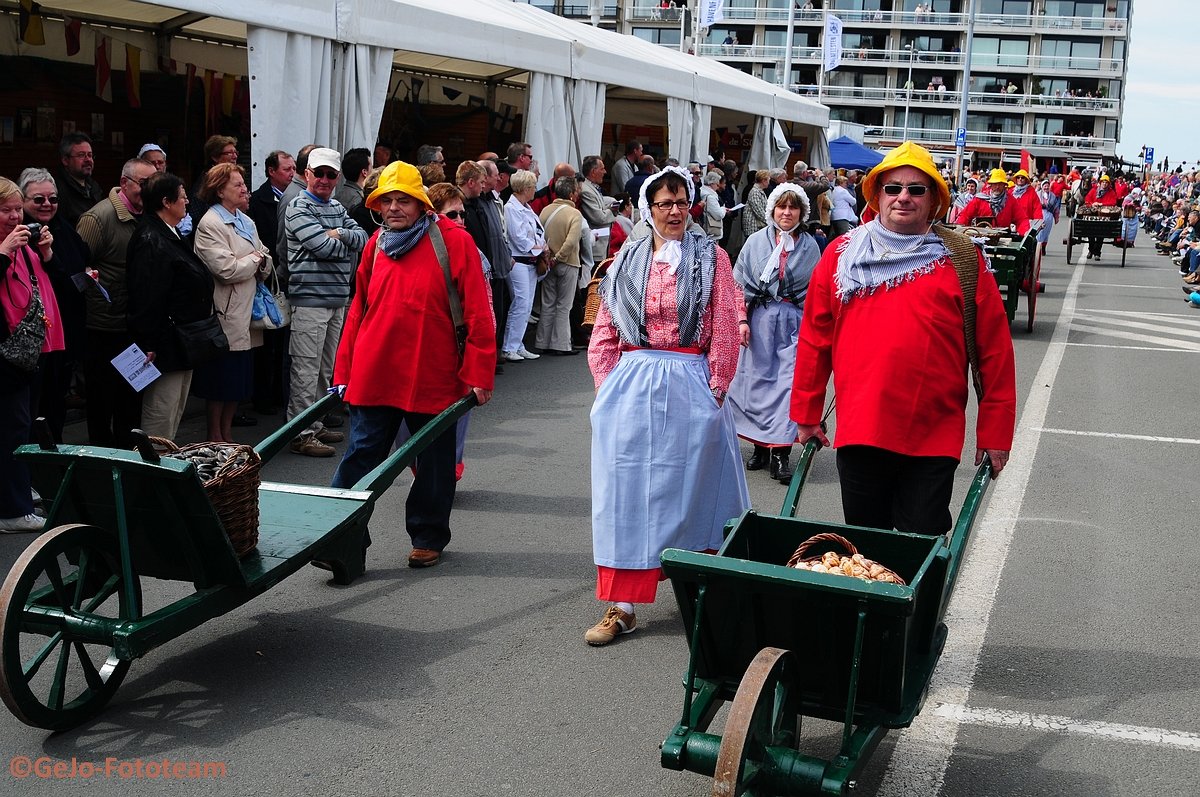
x: 1133, y: 348
x: 1157, y: 737
x: 1165, y: 326
x: 1188, y: 319
x: 1118, y: 285
x: 922, y: 753
x: 1113, y: 333
x: 1118, y: 436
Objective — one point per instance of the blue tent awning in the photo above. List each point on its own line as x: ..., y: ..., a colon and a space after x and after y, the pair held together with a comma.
x: 846, y: 153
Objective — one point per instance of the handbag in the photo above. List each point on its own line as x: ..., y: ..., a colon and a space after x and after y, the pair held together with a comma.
x: 201, y: 341
x: 270, y: 309
x: 23, y: 346
x: 545, y: 262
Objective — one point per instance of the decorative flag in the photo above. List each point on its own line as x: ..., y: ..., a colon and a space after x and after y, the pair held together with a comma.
x: 743, y: 128
x: 711, y: 13
x: 832, y: 46
x: 104, y: 68
x: 133, y: 76
x: 30, y: 17
x: 71, y: 28
x: 1026, y: 161
x: 167, y: 66
x: 451, y: 94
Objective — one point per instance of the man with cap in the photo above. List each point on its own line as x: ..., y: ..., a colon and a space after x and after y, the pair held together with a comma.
x: 155, y: 155
x: 387, y: 384
x: 323, y: 244
x: 997, y: 207
x: 884, y: 313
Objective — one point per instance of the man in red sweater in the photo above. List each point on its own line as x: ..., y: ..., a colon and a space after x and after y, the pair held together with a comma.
x: 400, y: 362
x: 999, y: 208
x: 884, y: 314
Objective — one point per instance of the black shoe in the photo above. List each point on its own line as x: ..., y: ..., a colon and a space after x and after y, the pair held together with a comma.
x: 758, y: 460
x: 781, y: 468
x: 499, y: 368
x: 557, y: 353
x: 242, y: 419
x: 333, y: 420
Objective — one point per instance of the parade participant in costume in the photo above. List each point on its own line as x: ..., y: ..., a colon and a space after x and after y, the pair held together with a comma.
x: 997, y: 207
x: 401, y: 296
x: 1101, y: 193
x: 1051, y: 205
x: 666, y: 472
x: 969, y: 191
x: 1024, y: 194
x: 885, y: 314
x: 773, y: 271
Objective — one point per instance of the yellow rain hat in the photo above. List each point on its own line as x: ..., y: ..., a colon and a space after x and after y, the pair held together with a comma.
x: 916, y: 156
x: 402, y: 177
x: 998, y: 176
x: 1021, y: 173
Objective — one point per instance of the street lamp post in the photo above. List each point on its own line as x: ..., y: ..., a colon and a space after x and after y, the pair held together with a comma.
x: 908, y: 87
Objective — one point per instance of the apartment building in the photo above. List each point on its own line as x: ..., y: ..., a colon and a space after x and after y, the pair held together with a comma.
x: 1047, y: 76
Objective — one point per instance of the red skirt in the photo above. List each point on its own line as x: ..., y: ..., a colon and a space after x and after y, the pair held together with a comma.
x: 617, y: 585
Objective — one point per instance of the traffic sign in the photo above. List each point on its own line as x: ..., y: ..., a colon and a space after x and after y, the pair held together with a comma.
x: 1149, y: 155
x: 960, y: 137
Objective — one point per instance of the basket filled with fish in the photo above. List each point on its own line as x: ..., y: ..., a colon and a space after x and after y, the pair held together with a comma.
x: 231, y: 474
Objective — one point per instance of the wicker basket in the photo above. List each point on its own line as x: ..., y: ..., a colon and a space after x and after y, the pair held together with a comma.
x: 232, y: 489
x: 592, y: 305
x: 1100, y: 212
x: 853, y: 564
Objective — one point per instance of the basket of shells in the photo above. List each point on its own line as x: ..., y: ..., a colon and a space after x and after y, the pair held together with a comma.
x: 231, y: 474
x: 852, y: 563
x: 1102, y: 212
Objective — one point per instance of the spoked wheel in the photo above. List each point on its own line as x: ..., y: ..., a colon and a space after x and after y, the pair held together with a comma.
x: 764, y: 713
x: 1035, y: 274
x: 57, y: 662
x: 1070, y: 241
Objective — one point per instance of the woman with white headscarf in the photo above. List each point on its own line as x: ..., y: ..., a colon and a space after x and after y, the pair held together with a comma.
x: 1051, y: 205
x: 969, y: 190
x: 773, y: 271
x: 666, y: 472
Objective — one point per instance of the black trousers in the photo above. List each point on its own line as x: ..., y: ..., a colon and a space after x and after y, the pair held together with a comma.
x: 113, y: 407
x: 15, y: 499
x: 271, y: 370
x: 500, y: 302
x: 885, y: 490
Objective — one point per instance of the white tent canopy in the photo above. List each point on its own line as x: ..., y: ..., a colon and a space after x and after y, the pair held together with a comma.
x: 306, y: 54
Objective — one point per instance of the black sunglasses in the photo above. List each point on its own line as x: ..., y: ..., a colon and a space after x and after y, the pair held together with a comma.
x: 41, y: 200
x: 325, y: 174
x: 455, y: 214
x: 914, y: 189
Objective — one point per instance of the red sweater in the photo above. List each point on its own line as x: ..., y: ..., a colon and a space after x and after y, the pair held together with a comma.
x: 1112, y: 197
x: 1029, y: 201
x: 398, y: 347
x: 1014, y: 213
x: 900, y: 365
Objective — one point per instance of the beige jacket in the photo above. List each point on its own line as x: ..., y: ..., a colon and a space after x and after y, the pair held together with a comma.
x: 233, y: 262
x: 562, y: 232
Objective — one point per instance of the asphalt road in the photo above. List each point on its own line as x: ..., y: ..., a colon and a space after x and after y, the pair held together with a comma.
x: 1070, y: 667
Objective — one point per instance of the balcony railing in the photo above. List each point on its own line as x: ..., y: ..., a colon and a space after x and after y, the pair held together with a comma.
x: 891, y: 96
x: 981, y: 138
x: 651, y: 12
x: 901, y: 58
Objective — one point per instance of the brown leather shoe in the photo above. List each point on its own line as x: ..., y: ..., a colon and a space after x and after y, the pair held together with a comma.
x: 424, y: 557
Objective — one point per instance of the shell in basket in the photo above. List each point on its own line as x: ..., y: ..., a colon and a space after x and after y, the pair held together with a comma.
x: 231, y: 475
x: 853, y: 564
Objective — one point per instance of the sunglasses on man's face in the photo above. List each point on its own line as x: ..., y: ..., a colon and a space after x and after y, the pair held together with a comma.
x: 324, y: 174
x: 914, y: 189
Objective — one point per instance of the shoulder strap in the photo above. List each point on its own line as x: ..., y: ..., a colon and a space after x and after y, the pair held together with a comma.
x: 439, y: 248
x: 966, y: 263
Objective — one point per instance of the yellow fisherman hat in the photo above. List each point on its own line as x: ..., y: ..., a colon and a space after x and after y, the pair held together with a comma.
x: 1021, y: 173
x: 402, y: 177
x: 998, y: 176
x: 916, y: 156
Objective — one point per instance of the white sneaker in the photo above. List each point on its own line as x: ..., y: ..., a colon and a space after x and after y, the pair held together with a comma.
x: 526, y: 354
x: 23, y: 523
x: 511, y: 357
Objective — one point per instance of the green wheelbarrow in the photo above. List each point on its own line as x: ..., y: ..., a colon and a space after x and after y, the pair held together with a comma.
x: 71, y: 613
x: 783, y: 644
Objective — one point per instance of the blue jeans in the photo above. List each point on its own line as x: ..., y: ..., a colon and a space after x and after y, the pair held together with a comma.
x: 427, y: 510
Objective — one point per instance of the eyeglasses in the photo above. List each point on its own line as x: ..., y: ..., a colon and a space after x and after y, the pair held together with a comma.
x: 682, y: 204
x: 324, y: 174
x: 42, y: 200
x: 914, y: 189
x: 455, y: 214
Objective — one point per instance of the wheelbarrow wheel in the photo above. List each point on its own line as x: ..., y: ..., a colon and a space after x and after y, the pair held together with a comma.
x: 1070, y: 241
x: 764, y: 713
x: 51, y: 676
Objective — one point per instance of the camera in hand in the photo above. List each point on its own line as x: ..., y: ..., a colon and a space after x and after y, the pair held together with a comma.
x: 35, y: 232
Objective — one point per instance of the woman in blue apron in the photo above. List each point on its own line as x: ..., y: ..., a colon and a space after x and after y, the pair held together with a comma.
x: 773, y: 271
x: 666, y: 472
